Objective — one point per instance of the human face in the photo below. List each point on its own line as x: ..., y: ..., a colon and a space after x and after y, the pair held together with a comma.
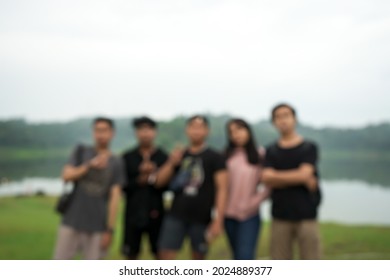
x: 284, y: 120
x: 145, y: 135
x: 197, y: 131
x: 102, y: 134
x: 238, y: 134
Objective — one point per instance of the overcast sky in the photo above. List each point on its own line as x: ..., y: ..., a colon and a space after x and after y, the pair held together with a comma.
x: 60, y: 60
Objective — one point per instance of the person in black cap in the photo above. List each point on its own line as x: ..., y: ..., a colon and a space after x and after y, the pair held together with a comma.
x: 144, y: 209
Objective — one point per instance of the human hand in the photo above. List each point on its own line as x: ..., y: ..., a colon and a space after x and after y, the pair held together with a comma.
x: 106, y: 240
x: 100, y: 161
x: 214, y: 230
x: 312, y: 183
x: 176, y: 156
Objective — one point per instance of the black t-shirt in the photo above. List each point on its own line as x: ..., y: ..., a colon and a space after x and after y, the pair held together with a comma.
x: 194, y: 201
x: 296, y: 202
x: 142, y: 200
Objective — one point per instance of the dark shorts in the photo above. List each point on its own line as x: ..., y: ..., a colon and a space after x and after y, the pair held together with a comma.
x: 174, y: 230
x: 133, y: 238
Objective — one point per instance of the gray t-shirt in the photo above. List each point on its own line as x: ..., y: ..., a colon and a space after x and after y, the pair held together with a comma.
x: 89, y: 206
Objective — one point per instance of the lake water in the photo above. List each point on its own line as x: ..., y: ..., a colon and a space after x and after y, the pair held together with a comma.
x: 344, y: 201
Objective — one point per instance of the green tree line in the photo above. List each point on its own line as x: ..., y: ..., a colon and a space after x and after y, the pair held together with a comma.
x: 18, y: 133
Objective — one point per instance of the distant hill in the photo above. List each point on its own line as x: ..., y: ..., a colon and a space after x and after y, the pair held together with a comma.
x: 18, y: 133
x: 40, y: 150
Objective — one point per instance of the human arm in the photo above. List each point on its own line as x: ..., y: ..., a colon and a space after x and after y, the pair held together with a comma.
x: 284, y: 178
x: 304, y: 174
x: 216, y: 226
x: 168, y: 169
x: 73, y: 173
x: 114, y: 196
x: 113, y: 204
x: 76, y: 168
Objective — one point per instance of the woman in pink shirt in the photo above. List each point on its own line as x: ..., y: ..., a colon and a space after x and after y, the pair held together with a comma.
x: 242, y: 219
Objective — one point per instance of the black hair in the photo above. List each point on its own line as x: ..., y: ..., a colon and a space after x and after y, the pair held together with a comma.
x: 282, y: 105
x: 252, y: 154
x: 137, y: 122
x: 198, y: 117
x: 110, y: 122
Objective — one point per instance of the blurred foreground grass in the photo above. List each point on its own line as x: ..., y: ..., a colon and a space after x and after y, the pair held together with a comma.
x: 28, y: 227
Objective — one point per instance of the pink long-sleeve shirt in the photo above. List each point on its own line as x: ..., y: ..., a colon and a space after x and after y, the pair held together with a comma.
x: 244, y: 198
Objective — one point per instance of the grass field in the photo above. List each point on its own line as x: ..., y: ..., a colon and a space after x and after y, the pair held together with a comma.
x: 28, y: 228
x: 24, y: 154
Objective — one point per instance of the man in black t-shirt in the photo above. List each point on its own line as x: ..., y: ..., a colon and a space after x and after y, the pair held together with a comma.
x: 291, y: 171
x: 144, y: 209
x: 198, y: 179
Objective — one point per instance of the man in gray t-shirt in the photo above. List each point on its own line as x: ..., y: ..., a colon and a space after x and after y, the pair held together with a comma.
x: 88, y: 221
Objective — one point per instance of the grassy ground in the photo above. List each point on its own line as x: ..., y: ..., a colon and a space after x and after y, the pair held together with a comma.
x: 28, y: 228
